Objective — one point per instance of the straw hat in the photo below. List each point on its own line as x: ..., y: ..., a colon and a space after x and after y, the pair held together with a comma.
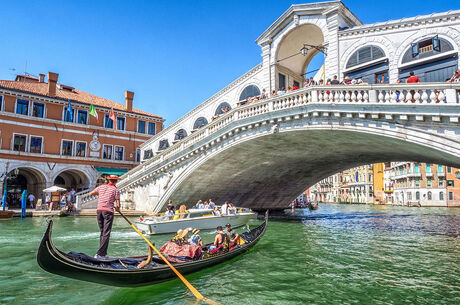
x: 183, y: 233
x: 195, y: 231
x: 112, y: 177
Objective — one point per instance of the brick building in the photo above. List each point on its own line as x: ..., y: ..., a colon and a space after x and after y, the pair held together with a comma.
x: 45, y: 142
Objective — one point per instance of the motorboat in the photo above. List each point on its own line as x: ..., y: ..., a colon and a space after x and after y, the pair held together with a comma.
x: 202, y: 219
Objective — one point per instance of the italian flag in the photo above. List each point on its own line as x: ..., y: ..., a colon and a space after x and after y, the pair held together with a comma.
x: 92, y: 111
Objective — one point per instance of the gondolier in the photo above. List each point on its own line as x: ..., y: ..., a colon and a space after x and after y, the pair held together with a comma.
x: 108, y: 195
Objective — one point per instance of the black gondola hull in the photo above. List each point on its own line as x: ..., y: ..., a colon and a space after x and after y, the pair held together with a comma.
x: 54, y: 261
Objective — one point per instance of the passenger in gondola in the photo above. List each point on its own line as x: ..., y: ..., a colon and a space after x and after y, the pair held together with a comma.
x: 220, y: 241
x: 196, y: 239
x: 233, y: 237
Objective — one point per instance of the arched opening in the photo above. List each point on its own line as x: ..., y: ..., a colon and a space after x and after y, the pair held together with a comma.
x: 432, y: 59
x: 200, y: 122
x: 223, y: 107
x: 248, y: 92
x: 21, y: 179
x: 164, y: 144
x: 368, y: 64
x: 72, y: 178
x: 180, y: 134
x: 296, y: 57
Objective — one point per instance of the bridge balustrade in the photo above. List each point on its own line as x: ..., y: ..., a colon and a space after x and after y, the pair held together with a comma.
x: 416, y: 94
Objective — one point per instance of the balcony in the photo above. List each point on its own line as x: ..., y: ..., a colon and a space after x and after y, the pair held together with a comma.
x: 441, y: 174
x: 429, y: 174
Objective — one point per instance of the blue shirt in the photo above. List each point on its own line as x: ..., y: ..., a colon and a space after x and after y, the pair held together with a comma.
x: 194, y: 239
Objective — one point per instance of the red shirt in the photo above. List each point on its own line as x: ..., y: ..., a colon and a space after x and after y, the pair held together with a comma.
x: 413, y: 79
x: 108, y: 193
x: 295, y: 88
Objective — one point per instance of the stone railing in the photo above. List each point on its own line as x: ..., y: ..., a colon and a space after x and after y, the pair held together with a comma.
x: 413, y: 94
x: 85, y: 201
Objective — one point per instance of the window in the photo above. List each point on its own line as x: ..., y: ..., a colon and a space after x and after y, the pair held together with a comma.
x: 22, y: 107
x: 450, y: 182
x: 152, y: 128
x: 119, y: 152
x: 120, y: 123
x: 441, y: 196
x: 19, y: 143
x: 82, y: 116
x: 417, y: 195
x: 108, y: 122
x: 409, y: 195
x: 69, y: 115
x: 141, y: 126
x: 138, y: 155
x: 417, y: 169
x: 35, y: 144
x: 281, y: 81
x: 200, y: 122
x: 223, y: 107
x: 451, y: 195
x: 430, y: 196
x: 449, y: 170
x: 417, y: 182
x: 67, y: 148
x: 428, y: 182
x: 439, y: 168
x: 107, y: 152
x: 428, y: 168
x: 163, y: 145
x: 441, y: 182
x: 1, y: 102
x: 249, y: 91
x: 180, y: 134
x: 365, y: 54
x: 148, y: 154
x: 80, y: 149
x: 38, y: 110
x: 296, y: 84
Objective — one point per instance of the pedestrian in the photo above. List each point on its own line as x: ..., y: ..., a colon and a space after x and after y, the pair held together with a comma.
x: 108, y: 196
x: 31, y: 198
x: 72, y: 195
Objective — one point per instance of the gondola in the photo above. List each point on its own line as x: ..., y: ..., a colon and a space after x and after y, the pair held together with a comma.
x: 123, y: 272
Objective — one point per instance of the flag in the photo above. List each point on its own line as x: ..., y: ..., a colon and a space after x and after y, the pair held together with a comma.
x: 92, y: 111
x: 113, y: 118
x: 70, y: 111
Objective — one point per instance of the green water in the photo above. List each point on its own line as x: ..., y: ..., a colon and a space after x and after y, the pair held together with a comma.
x: 339, y: 254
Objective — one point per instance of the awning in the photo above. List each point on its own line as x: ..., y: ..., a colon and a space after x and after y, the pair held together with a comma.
x: 111, y: 171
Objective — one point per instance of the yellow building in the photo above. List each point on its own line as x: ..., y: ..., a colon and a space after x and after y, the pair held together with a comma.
x: 378, y: 182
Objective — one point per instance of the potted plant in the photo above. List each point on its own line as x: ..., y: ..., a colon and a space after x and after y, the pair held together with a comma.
x: 457, y: 174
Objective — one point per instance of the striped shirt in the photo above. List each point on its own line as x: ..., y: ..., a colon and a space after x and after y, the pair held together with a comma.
x: 108, y: 193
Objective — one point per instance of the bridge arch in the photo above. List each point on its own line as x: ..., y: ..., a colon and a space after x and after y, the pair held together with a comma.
x: 72, y: 178
x: 246, y: 165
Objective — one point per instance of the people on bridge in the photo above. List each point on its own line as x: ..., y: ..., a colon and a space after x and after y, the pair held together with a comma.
x: 108, y: 196
x: 412, y: 78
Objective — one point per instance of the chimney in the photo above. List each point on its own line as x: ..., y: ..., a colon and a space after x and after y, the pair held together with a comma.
x: 41, y: 78
x: 52, y: 80
x: 129, y: 100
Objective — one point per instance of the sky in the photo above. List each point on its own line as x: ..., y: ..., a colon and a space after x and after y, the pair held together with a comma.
x: 172, y: 54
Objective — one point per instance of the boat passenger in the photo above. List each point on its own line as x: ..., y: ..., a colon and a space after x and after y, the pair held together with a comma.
x: 220, y: 241
x: 233, y: 237
x: 196, y: 239
x: 170, y: 205
x: 231, y: 209
x: 181, y: 212
x: 224, y: 208
x: 216, y: 212
x: 206, y: 205
x: 169, y: 213
x: 200, y: 205
x: 211, y: 204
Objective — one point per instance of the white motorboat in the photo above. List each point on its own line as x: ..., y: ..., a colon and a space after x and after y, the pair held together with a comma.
x: 202, y: 219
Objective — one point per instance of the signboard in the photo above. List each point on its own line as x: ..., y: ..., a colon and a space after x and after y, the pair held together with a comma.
x: 94, y: 154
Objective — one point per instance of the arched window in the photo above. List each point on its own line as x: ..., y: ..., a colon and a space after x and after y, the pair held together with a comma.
x: 430, y: 196
x: 426, y: 47
x: 180, y: 134
x: 249, y: 91
x: 365, y: 54
x: 200, y: 122
x: 163, y: 144
x: 223, y: 107
x: 148, y: 154
x: 417, y: 195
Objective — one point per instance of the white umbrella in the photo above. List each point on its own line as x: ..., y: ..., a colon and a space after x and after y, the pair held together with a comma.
x: 54, y: 189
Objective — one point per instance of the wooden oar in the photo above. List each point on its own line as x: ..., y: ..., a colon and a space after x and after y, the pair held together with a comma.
x: 195, y: 292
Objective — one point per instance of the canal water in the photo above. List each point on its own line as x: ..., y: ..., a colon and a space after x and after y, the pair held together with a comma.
x: 338, y: 254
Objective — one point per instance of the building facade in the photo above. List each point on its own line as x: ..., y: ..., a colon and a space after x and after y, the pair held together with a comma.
x: 49, y: 137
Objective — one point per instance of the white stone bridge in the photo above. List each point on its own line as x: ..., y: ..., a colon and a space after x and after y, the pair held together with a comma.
x: 264, y: 154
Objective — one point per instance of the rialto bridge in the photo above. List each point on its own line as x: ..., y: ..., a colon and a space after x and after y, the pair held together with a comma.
x: 263, y: 153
